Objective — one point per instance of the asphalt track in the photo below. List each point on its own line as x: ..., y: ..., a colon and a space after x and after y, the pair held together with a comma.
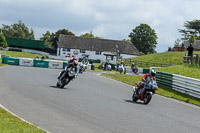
x: 89, y: 104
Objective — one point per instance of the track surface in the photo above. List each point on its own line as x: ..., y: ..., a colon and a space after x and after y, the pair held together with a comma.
x: 89, y: 104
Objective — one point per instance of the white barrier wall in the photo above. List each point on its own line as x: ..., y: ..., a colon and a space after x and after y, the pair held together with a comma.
x: 55, y: 64
x: 26, y: 62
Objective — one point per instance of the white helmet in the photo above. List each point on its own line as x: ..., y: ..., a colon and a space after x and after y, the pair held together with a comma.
x: 152, y: 72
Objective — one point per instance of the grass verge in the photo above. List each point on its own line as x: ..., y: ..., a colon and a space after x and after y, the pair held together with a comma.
x: 12, y: 124
x: 174, y: 58
x: 184, y: 70
x: 167, y: 92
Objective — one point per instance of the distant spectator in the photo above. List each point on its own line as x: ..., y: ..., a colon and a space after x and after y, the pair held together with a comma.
x: 42, y: 58
x: 169, y: 49
x: 182, y: 47
x: 36, y: 58
x: 190, y: 50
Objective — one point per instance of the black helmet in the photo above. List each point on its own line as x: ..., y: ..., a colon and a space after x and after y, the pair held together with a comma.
x: 153, y: 73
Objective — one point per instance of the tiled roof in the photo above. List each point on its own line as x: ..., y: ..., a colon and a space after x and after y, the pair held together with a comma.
x: 94, y: 44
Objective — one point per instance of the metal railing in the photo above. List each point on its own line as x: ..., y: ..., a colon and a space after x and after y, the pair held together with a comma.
x: 179, y: 83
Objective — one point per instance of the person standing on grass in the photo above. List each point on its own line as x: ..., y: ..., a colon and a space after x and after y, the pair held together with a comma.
x: 190, y: 50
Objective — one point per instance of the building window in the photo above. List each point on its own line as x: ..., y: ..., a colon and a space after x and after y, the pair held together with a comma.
x: 109, y: 57
x: 67, y: 50
x: 82, y: 51
x: 98, y: 53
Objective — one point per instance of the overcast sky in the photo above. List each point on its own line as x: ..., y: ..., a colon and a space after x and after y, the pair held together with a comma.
x: 110, y: 19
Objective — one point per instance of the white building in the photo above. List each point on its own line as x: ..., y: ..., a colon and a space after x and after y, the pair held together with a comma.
x: 96, y: 49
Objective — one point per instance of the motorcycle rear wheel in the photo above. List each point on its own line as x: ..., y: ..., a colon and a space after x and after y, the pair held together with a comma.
x: 125, y: 71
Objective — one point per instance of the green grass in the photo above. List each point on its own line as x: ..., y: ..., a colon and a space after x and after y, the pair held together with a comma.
x: 184, y: 70
x: 173, y: 58
x: 21, y: 54
x: 12, y: 124
x: 132, y: 79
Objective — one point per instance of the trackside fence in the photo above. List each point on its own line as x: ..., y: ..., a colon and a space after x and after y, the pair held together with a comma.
x: 179, y: 83
x: 53, y: 64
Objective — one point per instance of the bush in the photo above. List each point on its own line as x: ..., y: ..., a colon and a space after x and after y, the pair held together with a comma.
x: 3, y: 42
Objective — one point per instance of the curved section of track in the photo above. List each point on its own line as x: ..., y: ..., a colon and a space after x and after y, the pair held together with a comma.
x: 89, y: 104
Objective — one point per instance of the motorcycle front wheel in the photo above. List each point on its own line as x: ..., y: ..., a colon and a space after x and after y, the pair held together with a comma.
x: 134, y: 98
x: 57, y: 84
x: 147, y: 98
x: 64, y: 82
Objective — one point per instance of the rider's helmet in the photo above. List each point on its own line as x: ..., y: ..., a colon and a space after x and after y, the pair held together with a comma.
x: 152, y: 72
x: 74, y: 58
x: 75, y: 62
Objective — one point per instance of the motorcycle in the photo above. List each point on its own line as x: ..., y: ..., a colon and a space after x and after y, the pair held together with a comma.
x: 135, y: 70
x: 145, y: 93
x: 108, y: 67
x: 82, y: 67
x: 122, y: 69
x: 92, y: 66
x: 66, y: 77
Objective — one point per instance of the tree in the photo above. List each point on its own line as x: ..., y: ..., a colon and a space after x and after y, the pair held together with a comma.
x: 193, y: 26
x: 177, y: 42
x: 3, y: 42
x: 90, y: 35
x: 144, y: 38
x: 192, y: 31
x: 19, y: 30
x: 47, y: 38
x: 55, y: 36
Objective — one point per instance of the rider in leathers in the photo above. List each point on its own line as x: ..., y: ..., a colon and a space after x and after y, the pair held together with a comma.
x: 73, y: 62
x: 146, y: 77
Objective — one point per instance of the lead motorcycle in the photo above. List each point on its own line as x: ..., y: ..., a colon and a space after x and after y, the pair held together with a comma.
x: 66, y: 77
x: 145, y: 93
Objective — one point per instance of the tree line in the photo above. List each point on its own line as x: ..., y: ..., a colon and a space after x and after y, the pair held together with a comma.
x: 191, y: 32
x: 143, y: 36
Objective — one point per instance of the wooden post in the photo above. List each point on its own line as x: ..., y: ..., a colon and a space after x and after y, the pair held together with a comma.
x: 191, y: 59
x: 196, y: 59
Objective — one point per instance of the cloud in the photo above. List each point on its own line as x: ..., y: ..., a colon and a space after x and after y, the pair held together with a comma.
x: 113, y: 19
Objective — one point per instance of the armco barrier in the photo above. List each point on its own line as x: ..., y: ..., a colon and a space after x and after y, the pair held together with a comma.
x: 41, y: 63
x: 164, y: 79
x: 10, y: 60
x: 180, y: 83
x: 186, y: 85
